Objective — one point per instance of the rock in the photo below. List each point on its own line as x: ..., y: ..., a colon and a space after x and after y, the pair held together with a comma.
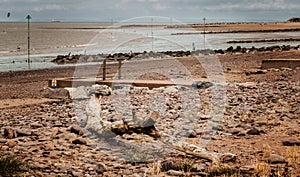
x: 22, y: 132
x: 3, y: 141
x: 202, y: 84
x: 198, y: 167
x: 9, y: 133
x: 76, y: 130
x: 12, y: 144
x: 229, y: 49
x: 80, y: 93
x: 46, y: 154
x: 36, y: 125
x: 170, y: 90
x: 291, y: 142
x: 58, y: 93
x: 80, y: 141
x: 175, y: 173
x: 74, y: 173
x: 100, y: 90
x: 101, y: 168
x: 254, y: 131
x: 274, y: 159
x: 248, y: 85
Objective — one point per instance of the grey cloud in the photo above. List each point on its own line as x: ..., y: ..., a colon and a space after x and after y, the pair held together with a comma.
x: 122, y: 9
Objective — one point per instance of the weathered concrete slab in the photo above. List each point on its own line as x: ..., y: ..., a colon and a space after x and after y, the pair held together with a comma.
x: 280, y: 63
x: 76, y: 82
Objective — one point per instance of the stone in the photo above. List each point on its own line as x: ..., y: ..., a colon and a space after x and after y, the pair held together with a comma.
x: 80, y: 93
x: 254, y: 131
x: 21, y: 132
x: 275, y: 159
x: 9, y: 133
x: 74, y: 173
x: 170, y: 90
x: 175, y: 173
x: 36, y: 125
x: 3, y: 141
x: 76, y: 130
x: 100, y: 90
x: 101, y: 168
x: 58, y: 93
x: 202, y: 84
x: 291, y: 142
x: 11, y: 143
x: 80, y: 141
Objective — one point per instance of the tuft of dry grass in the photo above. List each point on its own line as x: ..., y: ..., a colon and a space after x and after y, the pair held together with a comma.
x: 155, y: 168
x: 267, y: 152
x: 11, y: 166
x: 262, y: 169
x: 223, y: 170
x: 293, y: 155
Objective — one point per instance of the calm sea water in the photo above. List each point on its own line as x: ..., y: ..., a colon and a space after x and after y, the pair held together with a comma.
x: 138, y: 40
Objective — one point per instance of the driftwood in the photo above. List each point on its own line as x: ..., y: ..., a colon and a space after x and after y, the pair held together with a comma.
x: 147, y: 127
x: 177, y: 144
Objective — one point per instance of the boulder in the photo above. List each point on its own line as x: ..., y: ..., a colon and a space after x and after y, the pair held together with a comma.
x: 275, y: 159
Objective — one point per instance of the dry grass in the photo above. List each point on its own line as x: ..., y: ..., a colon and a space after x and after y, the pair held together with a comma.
x: 267, y: 152
x: 262, y: 169
x: 293, y: 155
x: 223, y: 170
x: 11, y: 166
x: 155, y: 168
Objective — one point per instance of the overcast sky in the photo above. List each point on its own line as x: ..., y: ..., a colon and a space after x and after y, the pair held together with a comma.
x: 182, y: 10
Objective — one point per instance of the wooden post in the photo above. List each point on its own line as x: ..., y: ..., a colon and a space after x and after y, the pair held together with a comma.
x: 119, y: 69
x: 28, y: 40
x: 104, y: 70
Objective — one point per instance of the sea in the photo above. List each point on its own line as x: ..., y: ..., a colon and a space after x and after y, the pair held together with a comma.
x: 49, y: 40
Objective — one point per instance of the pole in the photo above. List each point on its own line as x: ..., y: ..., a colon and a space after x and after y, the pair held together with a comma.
x: 28, y: 51
x: 119, y: 69
x: 152, y: 32
x: 204, y: 32
x: 104, y: 70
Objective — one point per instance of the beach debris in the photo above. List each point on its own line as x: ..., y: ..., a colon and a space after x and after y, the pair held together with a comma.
x: 134, y: 125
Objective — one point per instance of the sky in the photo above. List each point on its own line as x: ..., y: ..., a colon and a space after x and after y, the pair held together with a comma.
x: 119, y: 10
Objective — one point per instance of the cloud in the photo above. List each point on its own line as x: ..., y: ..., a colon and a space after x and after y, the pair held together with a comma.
x: 255, y: 5
x: 48, y: 7
x: 180, y: 9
